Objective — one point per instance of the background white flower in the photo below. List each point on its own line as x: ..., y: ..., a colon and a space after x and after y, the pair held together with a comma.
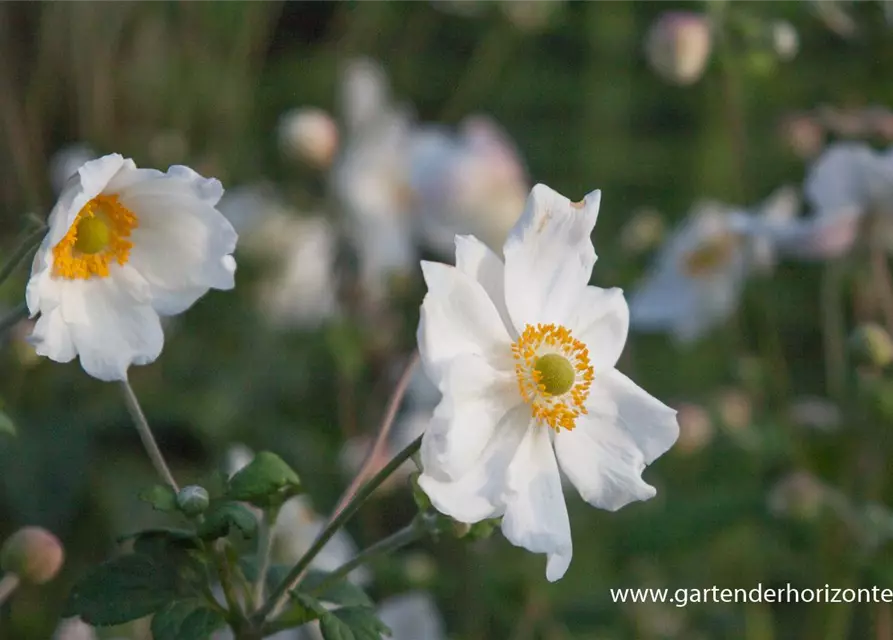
x: 699, y: 274
x: 524, y: 354
x: 124, y: 246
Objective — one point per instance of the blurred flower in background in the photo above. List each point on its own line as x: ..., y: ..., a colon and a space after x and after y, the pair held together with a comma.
x: 310, y: 135
x: 678, y: 46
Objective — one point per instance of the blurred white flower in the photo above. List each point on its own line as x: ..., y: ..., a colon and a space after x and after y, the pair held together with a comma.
x: 698, y: 276
x: 471, y: 183
x: 65, y: 163
x: 530, y: 15
x: 814, y: 412
x: 785, y: 40
x: 125, y: 246
x: 514, y: 347
x: 76, y: 629
x: 412, y: 616
x: 310, y: 135
x: 678, y: 46
x: 848, y: 184
x: 370, y: 177
x: 299, y: 287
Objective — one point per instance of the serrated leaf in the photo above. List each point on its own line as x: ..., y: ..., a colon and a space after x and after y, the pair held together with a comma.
x: 343, y: 592
x: 161, y: 497
x: 302, y: 609
x: 186, y: 620
x: 224, y: 516
x: 352, y: 623
x: 265, y: 482
x: 7, y: 426
x: 123, y: 589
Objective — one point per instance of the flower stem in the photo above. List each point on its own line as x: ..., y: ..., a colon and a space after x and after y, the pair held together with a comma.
x: 145, y: 431
x: 405, y: 536
x: 8, y: 584
x: 15, y: 316
x: 30, y: 244
x: 268, y: 528
x: 833, y: 331
x: 280, y: 594
x: 226, y: 579
x: 382, y: 435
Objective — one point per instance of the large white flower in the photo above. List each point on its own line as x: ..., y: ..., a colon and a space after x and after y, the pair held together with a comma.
x: 524, y: 353
x: 700, y: 273
x: 124, y: 246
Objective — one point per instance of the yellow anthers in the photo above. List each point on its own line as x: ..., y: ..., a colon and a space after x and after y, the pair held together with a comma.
x: 98, y: 236
x: 554, y: 374
x: 709, y: 256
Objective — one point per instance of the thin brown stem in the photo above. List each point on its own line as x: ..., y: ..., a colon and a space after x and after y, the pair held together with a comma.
x: 381, y: 437
x: 9, y: 583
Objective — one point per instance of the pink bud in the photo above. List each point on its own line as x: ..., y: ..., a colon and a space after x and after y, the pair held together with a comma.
x: 310, y: 135
x: 33, y: 554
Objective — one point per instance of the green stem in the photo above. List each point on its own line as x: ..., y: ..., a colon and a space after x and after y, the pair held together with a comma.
x: 30, y: 244
x: 279, y: 596
x: 405, y: 536
x: 833, y: 331
x: 8, y: 584
x: 268, y: 529
x: 15, y: 316
x: 226, y: 579
x: 145, y: 431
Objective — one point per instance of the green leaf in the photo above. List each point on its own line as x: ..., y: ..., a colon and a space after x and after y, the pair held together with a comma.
x: 266, y: 481
x: 303, y: 609
x: 223, y: 516
x: 161, y: 497
x: 186, y: 620
x: 7, y: 426
x: 342, y: 592
x: 123, y: 589
x: 352, y: 623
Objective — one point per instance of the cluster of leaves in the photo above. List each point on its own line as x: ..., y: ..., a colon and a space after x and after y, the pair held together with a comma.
x: 171, y: 573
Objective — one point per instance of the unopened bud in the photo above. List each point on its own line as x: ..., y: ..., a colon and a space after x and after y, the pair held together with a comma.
x: 309, y: 135
x: 193, y: 500
x: 872, y: 345
x: 460, y: 529
x: 678, y: 46
x: 33, y: 554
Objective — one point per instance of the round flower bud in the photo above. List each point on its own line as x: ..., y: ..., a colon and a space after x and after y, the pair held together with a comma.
x: 872, y: 345
x: 309, y: 135
x: 678, y: 46
x: 33, y: 554
x: 193, y: 500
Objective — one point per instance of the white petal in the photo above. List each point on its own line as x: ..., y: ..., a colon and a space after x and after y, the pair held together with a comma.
x: 536, y: 514
x: 458, y: 317
x: 91, y: 180
x: 601, y: 320
x: 478, y: 494
x: 838, y: 181
x: 182, y: 245
x: 51, y: 337
x: 476, y: 259
x: 476, y: 397
x: 625, y: 430
x: 549, y: 256
x: 110, y: 322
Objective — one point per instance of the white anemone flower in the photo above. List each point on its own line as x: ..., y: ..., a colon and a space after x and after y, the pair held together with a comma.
x: 125, y: 246
x: 699, y: 275
x: 473, y: 182
x: 369, y: 177
x: 524, y: 353
x: 847, y: 184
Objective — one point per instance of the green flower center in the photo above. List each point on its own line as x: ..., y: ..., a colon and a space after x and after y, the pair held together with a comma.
x: 93, y: 235
x: 555, y: 373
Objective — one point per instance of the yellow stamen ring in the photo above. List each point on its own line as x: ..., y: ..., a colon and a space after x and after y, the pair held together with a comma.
x: 554, y: 374
x: 98, y: 236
